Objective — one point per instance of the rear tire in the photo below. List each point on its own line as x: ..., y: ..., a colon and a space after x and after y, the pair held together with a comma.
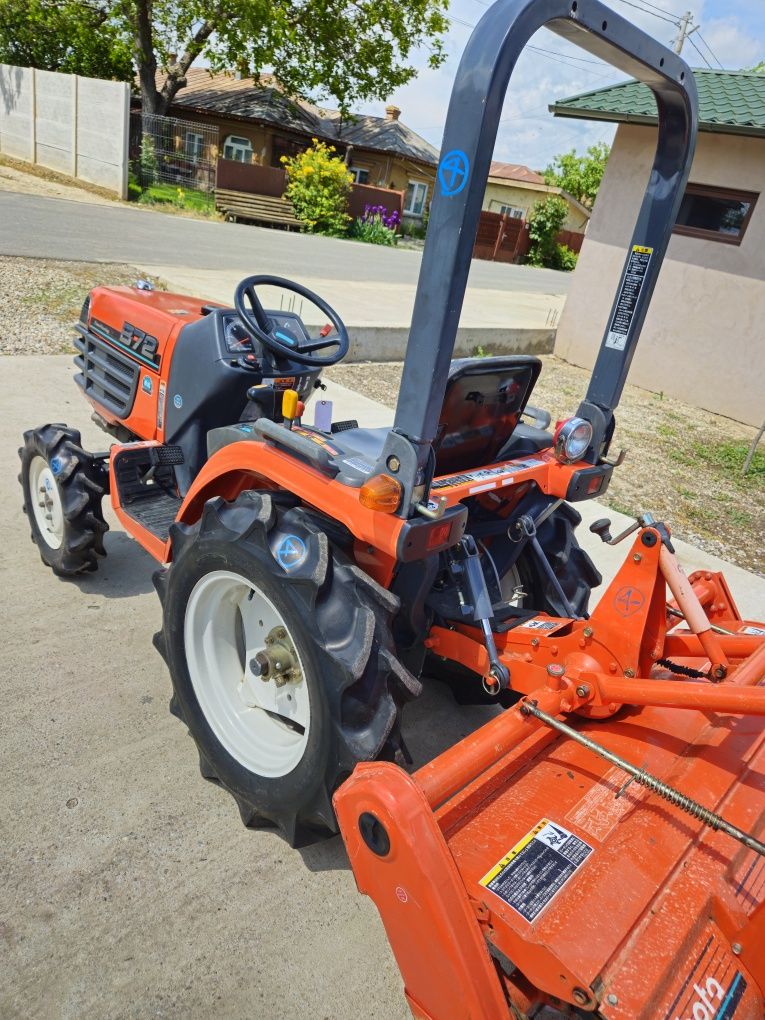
x: 63, y: 488
x: 248, y: 571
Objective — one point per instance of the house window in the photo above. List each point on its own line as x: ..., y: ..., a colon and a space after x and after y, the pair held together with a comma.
x: 239, y: 149
x: 282, y: 146
x: 717, y: 214
x: 360, y: 176
x: 509, y: 210
x: 194, y: 145
x: 414, y: 200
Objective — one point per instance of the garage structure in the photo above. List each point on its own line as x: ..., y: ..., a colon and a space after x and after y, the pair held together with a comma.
x: 704, y: 337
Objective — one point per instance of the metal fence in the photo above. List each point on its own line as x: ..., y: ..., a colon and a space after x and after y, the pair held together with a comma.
x: 167, y: 153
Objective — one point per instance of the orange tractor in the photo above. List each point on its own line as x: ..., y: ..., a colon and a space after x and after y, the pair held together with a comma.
x: 594, y: 849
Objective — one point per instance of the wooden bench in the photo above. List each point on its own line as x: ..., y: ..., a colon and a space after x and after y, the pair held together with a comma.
x: 242, y: 205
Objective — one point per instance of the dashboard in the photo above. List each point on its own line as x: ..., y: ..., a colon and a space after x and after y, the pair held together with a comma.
x: 287, y: 327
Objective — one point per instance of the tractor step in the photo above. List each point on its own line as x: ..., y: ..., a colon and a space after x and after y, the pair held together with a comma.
x: 146, y: 486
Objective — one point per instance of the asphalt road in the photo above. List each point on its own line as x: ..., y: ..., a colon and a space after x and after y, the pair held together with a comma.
x: 58, y: 229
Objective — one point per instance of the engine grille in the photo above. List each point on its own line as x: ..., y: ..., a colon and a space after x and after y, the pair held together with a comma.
x: 105, y: 375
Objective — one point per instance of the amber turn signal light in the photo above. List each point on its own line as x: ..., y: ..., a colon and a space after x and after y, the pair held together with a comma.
x: 381, y: 492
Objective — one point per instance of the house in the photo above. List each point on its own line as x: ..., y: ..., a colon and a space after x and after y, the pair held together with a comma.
x: 513, y: 189
x: 704, y: 337
x: 258, y: 124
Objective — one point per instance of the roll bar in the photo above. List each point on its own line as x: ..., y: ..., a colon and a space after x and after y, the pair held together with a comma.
x: 471, y: 129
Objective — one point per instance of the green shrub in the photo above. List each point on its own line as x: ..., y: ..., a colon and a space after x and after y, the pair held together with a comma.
x: 318, y: 185
x: 545, y: 221
x: 148, y: 161
x: 565, y: 258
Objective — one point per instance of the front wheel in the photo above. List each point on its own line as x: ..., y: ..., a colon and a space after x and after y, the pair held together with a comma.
x: 281, y: 660
x: 63, y: 488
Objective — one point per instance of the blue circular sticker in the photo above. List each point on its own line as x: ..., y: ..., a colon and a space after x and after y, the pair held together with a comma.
x: 178, y: 401
x: 453, y: 172
x: 146, y: 384
x: 56, y: 465
x: 291, y: 552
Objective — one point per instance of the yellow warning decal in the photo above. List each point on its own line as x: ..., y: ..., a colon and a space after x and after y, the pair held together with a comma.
x: 521, y: 845
x: 642, y: 250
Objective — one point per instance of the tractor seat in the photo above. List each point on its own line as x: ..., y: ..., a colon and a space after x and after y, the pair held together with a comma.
x: 483, y: 403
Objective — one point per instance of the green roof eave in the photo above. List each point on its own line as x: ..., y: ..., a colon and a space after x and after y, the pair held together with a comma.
x: 582, y: 113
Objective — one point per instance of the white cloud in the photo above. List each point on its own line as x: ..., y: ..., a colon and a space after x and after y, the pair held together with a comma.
x: 528, y: 133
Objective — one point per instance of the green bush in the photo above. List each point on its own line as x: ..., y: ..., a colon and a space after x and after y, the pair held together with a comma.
x: 148, y: 161
x: 565, y: 258
x: 545, y: 221
x: 318, y: 185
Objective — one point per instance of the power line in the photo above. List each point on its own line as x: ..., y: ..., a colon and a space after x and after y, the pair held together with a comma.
x: 711, y: 51
x: 693, y: 44
x: 646, y: 10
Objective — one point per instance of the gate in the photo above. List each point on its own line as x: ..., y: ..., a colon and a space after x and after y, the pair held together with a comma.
x: 167, y: 153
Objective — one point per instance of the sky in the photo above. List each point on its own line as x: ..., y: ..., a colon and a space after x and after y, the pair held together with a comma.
x: 734, y: 31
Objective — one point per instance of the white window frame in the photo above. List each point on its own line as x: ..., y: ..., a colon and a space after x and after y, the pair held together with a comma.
x: 194, y: 145
x: 416, y: 205
x: 356, y: 172
x: 512, y: 210
x: 237, y: 148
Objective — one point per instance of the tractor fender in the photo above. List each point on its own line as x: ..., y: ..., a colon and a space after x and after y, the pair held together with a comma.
x: 253, y: 464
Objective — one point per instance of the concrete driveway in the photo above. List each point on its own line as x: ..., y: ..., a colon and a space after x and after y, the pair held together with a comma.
x: 129, y: 887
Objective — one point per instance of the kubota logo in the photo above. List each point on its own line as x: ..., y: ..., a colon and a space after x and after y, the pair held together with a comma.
x: 705, y: 1006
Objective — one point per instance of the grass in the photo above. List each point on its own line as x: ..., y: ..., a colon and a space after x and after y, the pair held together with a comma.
x: 63, y: 301
x: 179, y: 198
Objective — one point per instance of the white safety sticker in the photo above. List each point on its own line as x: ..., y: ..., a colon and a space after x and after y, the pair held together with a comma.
x: 360, y: 464
x: 484, y: 474
x: 626, y: 302
x: 755, y: 631
x: 537, y: 868
x: 539, y: 625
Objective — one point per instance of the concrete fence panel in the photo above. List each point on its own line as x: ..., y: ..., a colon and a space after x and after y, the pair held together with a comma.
x: 17, y: 105
x: 55, y: 115
x: 102, y: 133
x: 77, y: 126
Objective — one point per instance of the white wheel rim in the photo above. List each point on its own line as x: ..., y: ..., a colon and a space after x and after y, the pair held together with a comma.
x: 262, y: 725
x: 46, y: 502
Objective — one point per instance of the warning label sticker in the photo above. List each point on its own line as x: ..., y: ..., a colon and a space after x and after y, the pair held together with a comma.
x: 537, y: 868
x: 537, y: 624
x: 632, y: 284
x: 756, y: 631
x: 452, y: 481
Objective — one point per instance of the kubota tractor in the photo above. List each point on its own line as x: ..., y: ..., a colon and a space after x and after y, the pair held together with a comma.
x: 596, y: 848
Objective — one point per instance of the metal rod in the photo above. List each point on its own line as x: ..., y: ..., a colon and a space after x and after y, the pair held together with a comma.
x: 646, y: 779
x: 465, y: 761
x: 734, y: 697
x: 712, y: 626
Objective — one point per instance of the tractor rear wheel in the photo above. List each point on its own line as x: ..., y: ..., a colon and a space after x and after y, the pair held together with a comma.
x: 281, y: 659
x: 63, y: 488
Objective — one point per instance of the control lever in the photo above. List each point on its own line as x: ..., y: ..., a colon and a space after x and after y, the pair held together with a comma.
x: 602, y: 528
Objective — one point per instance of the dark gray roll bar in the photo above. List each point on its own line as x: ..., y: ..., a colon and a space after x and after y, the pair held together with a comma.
x: 471, y: 129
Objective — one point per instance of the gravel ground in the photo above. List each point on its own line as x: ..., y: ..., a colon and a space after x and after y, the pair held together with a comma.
x: 683, y: 465
x: 42, y: 298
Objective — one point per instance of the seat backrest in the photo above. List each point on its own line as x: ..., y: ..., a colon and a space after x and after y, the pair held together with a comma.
x: 483, y: 403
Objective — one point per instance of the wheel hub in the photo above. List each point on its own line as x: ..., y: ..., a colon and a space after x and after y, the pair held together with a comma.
x: 46, y: 502
x: 247, y: 673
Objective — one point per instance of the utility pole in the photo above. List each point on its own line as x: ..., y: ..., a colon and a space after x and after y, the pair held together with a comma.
x: 683, y: 31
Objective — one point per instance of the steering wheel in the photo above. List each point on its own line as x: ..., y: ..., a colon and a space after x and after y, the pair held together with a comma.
x: 259, y: 326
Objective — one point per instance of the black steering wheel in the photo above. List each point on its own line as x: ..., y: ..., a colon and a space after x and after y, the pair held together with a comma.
x: 260, y: 327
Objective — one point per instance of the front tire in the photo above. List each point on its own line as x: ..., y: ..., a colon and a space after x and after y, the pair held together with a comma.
x: 63, y: 488
x: 281, y: 660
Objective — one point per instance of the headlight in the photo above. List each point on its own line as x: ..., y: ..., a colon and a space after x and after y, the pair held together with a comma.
x: 571, y: 440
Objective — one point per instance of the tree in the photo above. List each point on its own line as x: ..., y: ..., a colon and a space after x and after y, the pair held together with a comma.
x: 349, y: 51
x: 74, y: 36
x: 580, y: 176
x: 545, y: 221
